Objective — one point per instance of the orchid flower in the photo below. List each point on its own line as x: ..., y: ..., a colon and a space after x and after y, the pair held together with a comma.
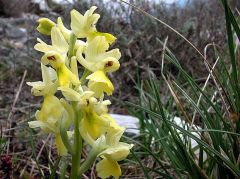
x: 96, y: 57
x: 48, y: 85
x: 56, y: 55
x: 114, y: 151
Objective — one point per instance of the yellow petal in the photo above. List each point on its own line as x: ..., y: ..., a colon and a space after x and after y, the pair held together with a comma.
x: 109, y: 37
x: 70, y: 94
x: 38, y: 88
x: 84, y: 26
x: 53, y: 58
x: 118, y: 152
x: 91, y: 125
x: 91, y: 19
x: 96, y: 58
x: 59, y: 44
x: 97, y: 46
x: 106, y: 168
x: 58, y: 40
x: 43, y: 125
x: 60, y: 146
x: 101, y: 107
x: 114, y: 132
x: 65, y: 76
x: 41, y: 46
x: 48, y: 74
x: 52, y: 109
x: 69, y: 110
x: 76, y: 21
x: 79, y: 43
x: 48, y: 85
x: 73, y: 95
x: 66, y: 33
x: 99, y: 83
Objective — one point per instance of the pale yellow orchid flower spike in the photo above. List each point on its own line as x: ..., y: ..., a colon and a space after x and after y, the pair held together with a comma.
x: 74, y: 110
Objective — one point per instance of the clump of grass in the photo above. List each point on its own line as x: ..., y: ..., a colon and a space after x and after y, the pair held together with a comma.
x: 209, y: 112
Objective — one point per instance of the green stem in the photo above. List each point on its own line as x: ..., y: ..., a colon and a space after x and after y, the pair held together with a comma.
x: 77, y: 145
x: 73, y: 39
x: 87, y: 164
x: 64, y: 136
x: 86, y: 72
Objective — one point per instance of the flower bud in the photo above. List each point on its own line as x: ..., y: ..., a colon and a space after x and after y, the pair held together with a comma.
x: 45, y: 26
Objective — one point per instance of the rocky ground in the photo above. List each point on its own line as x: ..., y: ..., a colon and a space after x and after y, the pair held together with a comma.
x: 18, y: 64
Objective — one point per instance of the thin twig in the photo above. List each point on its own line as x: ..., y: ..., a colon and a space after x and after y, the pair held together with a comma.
x: 40, y: 152
x: 9, y: 121
x: 169, y: 86
x: 237, y: 11
x: 215, y: 81
x: 204, y: 87
x: 177, y: 100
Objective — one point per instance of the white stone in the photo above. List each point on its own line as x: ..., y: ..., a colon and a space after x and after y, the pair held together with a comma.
x: 132, y: 126
x: 129, y: 122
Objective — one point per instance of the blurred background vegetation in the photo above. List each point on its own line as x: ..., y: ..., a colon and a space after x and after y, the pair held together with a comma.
x: 200, y: 21
x: 139, y: 39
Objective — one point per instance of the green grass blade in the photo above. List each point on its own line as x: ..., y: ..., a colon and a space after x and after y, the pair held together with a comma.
x: 211, y: 151
x: 229, y: 20
x: 141, y: 165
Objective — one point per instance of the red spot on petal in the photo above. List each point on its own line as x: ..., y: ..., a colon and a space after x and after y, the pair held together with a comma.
x: 109, y: 64
x: 52, y: 58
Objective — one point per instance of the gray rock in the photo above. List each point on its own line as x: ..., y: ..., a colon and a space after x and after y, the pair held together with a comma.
x: 4, y: 51
x: 1, y: 30
x: 16, y: 33
x: 42, y: 5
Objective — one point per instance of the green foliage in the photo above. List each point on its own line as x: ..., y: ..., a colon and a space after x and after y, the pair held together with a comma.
x: 2, y: 144
x: 209, y: 114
